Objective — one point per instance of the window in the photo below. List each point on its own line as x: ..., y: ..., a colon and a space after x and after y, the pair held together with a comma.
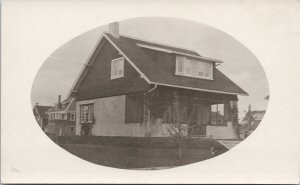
x: 217, y: 114
x: 117, y: 68
x: 72, y: 117
x: 45, y: 121
x: 193, y: 68
x: 58, y: 116
x: 64, y: 116
x: 180, y: 60
x: 86, y: 113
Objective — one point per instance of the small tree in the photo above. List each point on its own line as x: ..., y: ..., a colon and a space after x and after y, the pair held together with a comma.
x: 86, y: 128
x: 177, y: 130
x: 248, y: 118
x: 178, y: 134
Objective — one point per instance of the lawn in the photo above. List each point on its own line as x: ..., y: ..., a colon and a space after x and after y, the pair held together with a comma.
x: 136, y: 157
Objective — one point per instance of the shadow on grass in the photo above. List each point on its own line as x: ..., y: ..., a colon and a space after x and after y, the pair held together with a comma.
x: 127, y: 157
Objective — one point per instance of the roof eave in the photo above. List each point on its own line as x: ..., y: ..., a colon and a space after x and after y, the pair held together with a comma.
x: 199, y: 89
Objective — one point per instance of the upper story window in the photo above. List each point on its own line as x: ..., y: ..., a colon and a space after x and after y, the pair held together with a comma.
x: 193, y: 68
x: 117, y: 68
x: 72, y: 117
x: 58, y: 116
x: 64, y: 116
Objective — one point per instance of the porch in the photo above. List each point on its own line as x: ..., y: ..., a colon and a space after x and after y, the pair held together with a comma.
x: 199, y: 114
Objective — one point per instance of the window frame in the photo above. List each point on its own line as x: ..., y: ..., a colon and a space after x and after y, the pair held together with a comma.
x: 58, y: 116
x: 64, y: 116
x: 90, y: 118
x: 71, y: 116
x: 188, y: 64
x: 113, y: 66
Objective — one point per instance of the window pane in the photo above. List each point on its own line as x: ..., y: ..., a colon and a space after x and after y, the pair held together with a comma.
x: 200, y: 69
x: 180, y: 64
x: 117, y: 68
x: 86, y: 113
x: 188, y: 67
x: 193, y: 68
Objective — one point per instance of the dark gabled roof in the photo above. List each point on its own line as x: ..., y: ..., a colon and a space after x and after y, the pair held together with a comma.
x: 172, y: 48
x: 66, y: 105
x: 41, y: 110
x: 158, y: 71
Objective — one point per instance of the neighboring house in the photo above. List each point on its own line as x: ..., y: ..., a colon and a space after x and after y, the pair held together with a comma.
x: 62, y: 117
x: 40, y: 115
x: 251, y: 121
x: 137, y: 88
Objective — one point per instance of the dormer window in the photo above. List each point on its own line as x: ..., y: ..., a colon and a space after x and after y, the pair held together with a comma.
x: 117, y: 68
x: 193, y: 68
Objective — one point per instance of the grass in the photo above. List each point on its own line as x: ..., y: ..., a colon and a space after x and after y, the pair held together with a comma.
x: 127, y: 157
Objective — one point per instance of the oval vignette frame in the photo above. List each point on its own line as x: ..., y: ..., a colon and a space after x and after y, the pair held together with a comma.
x: 151, y: 93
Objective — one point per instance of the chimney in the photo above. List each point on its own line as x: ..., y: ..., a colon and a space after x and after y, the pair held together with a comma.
x: 114, y: 29
x: 59, y: 101
x: 37, y: 103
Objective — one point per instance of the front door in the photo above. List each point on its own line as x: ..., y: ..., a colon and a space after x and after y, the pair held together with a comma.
x: 199, y: 121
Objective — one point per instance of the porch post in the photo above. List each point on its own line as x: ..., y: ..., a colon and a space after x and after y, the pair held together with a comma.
x: 217, y: 113
x: 234, y: 117
x: 226, y: 111
x: 146, y: 119
x: 176, y: 107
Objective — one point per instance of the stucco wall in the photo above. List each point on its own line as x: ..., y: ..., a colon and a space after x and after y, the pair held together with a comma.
x: 109, y: 116
x: 220, y: 132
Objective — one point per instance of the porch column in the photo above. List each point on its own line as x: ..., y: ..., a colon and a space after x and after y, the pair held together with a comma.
x: 233, y: 111
x: 234, y: 117
x: 227, y: 111
x: 176, y: 107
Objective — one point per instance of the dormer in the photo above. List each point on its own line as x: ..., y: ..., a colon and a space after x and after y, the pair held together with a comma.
x: 192, y: 67
x: 188, y: 63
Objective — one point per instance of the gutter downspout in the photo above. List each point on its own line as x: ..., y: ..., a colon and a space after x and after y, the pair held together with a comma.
x: 155, y: 86
x: 148, y: 112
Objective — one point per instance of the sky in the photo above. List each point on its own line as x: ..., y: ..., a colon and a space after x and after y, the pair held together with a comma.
x: 60, y: 70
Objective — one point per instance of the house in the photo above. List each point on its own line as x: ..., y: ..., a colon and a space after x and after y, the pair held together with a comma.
x: 254, y: 121
x: 251, y: 121
x: 136, y: 88
x: 62, y: 117
x: 40, y: 115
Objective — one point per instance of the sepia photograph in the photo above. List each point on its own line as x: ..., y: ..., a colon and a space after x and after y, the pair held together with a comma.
x: 150, y: 93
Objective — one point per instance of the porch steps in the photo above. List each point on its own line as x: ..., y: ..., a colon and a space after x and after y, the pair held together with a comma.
x: 229, y: 143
